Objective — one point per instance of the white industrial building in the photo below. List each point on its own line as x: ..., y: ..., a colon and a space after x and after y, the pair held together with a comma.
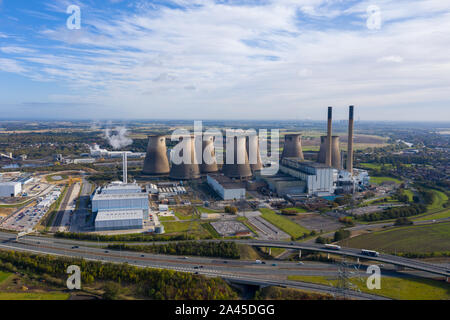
x: 119, y: 220
x: 226, y: 188
x: 121, y: 188
x: 102, y: 201
x: 319, y: 177
x: 10, y: 189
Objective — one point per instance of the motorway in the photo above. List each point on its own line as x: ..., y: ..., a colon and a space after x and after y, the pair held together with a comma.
x: 237, y: 271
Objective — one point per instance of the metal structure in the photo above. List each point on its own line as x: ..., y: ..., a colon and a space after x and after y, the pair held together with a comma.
x: 156, y: 161
x: 350, y: 140
x: 254, y: 155
x: 190, y: 169
x: 208, y: 151
x: 328, y: 155
x: 125, y: 167
x: 335, y: 151
x: 293, y: 146
x: 238, y: 165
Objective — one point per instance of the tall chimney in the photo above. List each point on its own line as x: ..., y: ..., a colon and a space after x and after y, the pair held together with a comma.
x: 350, y: 141
x: 328, y: 160
x: 125, y: 167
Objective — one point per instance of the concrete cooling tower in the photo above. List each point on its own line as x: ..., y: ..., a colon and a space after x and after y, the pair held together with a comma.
x: 190, y: 169
x: 335, y: 151
x: 209, y: 161
x: 156, y: 161
x: 239, y: 167
x: 293, y: 146
x: 253, y: 152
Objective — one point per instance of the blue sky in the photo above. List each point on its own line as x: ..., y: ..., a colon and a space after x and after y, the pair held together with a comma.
x: 225, y: 59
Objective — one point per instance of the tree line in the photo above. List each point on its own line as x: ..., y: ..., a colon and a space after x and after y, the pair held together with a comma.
x: 204, y: 249
x: 393, y: 213
x: 151, y: 283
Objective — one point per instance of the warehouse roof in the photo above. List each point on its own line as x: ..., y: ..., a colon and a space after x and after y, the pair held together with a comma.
x: 106, y: 215
x: 226, y: 182
x: 103, y: 196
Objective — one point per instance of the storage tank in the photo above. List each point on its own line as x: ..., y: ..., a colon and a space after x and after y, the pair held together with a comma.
x: 156, y: 161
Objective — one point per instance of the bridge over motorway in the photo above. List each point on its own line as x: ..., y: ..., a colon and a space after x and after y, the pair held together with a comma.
x: 351, y: 252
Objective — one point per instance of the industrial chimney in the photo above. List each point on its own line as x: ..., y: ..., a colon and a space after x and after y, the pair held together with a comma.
x: 335, y: 151
x: 208, y: 156
x: 239, y: 167
x: 125, y: 167
x: 191, y: 169
x: 350, y: 141
x: 254, y: 155
x: 156, y: 161
x: 293, y: 146
x: 328, y: 160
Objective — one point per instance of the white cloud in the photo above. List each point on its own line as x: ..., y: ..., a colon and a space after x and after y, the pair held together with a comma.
x: 251, y: 60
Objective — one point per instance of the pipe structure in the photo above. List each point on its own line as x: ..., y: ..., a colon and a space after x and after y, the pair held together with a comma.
x: 350, y: 140
x: 190, y: 169
x: 156, y: 161
x: 125, y: 167
x: 328, y: 160
x: 293, y: 147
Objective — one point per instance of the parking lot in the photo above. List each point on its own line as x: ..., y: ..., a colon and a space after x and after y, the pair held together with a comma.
x: 229, y: 228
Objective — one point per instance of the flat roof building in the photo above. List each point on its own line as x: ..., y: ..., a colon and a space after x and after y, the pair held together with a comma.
x: 119, y: 220
x: 10, y: 189
x: 226, y: 188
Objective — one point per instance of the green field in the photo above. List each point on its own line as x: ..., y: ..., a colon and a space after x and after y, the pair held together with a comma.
x: 407, y: 288
x: 163, y: 219
x: 374, y: 165
x: 192, y: 227
x: 206, y: 210
x: 380, y: 180
x: 33, y: 296
x: 410, y: 195
x: 436, y: 209
x: 4, y: 276
x: 414, y: 239
x: 283, y: 223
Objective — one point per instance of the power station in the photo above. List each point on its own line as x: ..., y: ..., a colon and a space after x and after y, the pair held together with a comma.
x: 293, y: 147
x: 156, y: 161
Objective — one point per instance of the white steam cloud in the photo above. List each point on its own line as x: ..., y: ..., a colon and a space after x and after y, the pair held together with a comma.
x: 120, y: 139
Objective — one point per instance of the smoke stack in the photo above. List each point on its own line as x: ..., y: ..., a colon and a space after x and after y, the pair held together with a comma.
x: 254, y: 155
x: 350, y: 140
x: 240, y: 166
x: 335, y: 151
x: 328, y: 160
x: 293, y: 146
x: 208, y: 156
x: 190, y: 170
x: 156, y: 161
x: 125, y: 167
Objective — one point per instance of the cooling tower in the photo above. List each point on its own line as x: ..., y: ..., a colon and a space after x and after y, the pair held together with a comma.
x: 239, y: 166
x: 328, y: 155
x: 156, y: 162
x: 335, y: 151
x: 254, y: 155
x: 186, y: 170
x: 209, y: 161
x: 350, y: 141
x: 293, y: 146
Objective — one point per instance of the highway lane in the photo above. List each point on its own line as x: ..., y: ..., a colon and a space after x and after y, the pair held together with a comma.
x: 238, y: 271
x: 351, y: 252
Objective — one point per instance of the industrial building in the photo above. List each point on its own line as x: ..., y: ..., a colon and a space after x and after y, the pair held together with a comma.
x: 104, y: 201
x: 319, y: 177
x: 97, y: 152
x: 119, y: 220
x: 10, y: 189
x: 226, y: 188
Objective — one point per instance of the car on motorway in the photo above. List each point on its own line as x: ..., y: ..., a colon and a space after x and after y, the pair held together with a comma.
x: 300, y: 263
x: 106, y: 251
x: 274, y: 265
x: 370, y: 253
x: 142, y: 256
x: 332, y: 247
